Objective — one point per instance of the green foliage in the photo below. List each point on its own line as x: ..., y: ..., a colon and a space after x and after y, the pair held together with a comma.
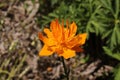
x: 110, y: 53
x: 112, y: 31
x: 117, y: 73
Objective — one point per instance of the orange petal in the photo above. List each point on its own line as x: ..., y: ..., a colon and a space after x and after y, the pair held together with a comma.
x: 62, y: 31
x: 53, y: 26
x: 41, y: 37
x: 72, y: 43
x: 57, y: 30
x: 66, y: 33
x: 77, y: 49
x: 48, y: 33
x: 66, y: 30
x: 82, y: 38
x: 72, y: 29
x: 68, y: 53
x: 77, y: 40
x: 45, y: 51
x: 47, y: 41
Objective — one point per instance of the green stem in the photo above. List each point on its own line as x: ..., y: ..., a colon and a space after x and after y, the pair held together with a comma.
x: 65, y: 68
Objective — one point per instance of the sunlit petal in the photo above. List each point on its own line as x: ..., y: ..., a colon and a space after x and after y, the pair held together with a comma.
x: 66, y: 33
x: 77, y: 40
x: 73, y: 29
x: 41, y: 37
x: 68, y: 53
x: 47, y: 41
x: 48, y: 33
x: 56, y: 30
x: 82, y: 38
x: 45, y: 51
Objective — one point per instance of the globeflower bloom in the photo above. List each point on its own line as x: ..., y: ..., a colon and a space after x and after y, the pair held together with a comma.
x: 61, y: 40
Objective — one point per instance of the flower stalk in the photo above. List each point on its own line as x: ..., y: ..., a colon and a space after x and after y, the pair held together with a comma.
x: 66, y: 70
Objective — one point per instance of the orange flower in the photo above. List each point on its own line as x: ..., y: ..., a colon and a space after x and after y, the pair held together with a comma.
x: 61, y: 40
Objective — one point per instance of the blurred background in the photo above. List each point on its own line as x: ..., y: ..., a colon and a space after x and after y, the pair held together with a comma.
x: 21, y: 20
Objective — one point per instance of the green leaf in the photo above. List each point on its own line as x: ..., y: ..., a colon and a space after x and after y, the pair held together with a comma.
x: 113, y: 39
x: 117, y: 8
x: 117, y: 74
x: 106, y: 34
x: 53, y: 2
x: 110, y: 53
x: 107, y: 4
x: 117, y: 33
x: 53, y: 15
x: 46, y: 18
